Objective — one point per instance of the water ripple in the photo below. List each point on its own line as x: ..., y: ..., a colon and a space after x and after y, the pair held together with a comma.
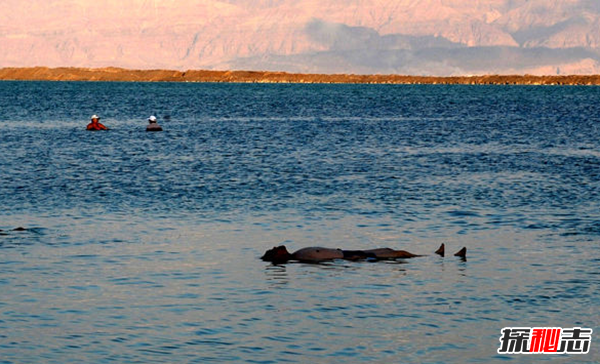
x: 144, y: 248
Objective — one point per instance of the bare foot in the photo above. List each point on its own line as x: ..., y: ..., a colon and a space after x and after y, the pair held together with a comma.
x: 461, y: 253
x: 440, y: 250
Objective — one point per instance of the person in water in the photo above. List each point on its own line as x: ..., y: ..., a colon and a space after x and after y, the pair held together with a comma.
x: 153, y: 126
x: 95, y: 124
x: 280, y: 254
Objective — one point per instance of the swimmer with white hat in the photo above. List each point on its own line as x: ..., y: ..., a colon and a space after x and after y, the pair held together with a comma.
x: 95, y: 124
x: 153, y: 126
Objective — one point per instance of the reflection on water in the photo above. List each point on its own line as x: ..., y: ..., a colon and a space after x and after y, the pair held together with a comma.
x: 277, y: 275
x: 144, y: 247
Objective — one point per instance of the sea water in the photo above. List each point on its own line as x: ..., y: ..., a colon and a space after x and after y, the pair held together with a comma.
x: 144, y: 247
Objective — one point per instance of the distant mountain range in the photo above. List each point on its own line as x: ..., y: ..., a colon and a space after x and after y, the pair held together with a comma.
x: 417, y: 37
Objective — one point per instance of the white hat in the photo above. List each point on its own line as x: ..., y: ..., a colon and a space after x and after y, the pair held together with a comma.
x: 152, y: 118
x: 94, y: 117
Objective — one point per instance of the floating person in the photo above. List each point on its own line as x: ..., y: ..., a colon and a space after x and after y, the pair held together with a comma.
x: 20, y: 228
x: 95, y: 124
x: 153, y: 126
x: 280, y: 254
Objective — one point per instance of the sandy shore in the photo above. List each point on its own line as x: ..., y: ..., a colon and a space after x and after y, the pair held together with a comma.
x: 120, y: 74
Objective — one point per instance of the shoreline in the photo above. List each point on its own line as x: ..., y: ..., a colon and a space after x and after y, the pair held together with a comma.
x: 125, y: 75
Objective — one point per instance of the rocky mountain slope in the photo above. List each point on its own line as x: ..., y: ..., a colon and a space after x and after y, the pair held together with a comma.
x: 419, y: 37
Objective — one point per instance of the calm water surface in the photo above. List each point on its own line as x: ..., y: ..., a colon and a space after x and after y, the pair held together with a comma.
x: 143, y: 247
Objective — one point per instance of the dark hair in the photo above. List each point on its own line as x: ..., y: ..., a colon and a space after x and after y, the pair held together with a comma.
x: 278, y: 254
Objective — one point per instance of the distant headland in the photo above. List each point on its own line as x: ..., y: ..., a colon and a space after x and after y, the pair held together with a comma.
x: 125, y: 75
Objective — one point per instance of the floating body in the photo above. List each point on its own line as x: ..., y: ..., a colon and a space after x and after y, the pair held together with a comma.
x: 280, y: 254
